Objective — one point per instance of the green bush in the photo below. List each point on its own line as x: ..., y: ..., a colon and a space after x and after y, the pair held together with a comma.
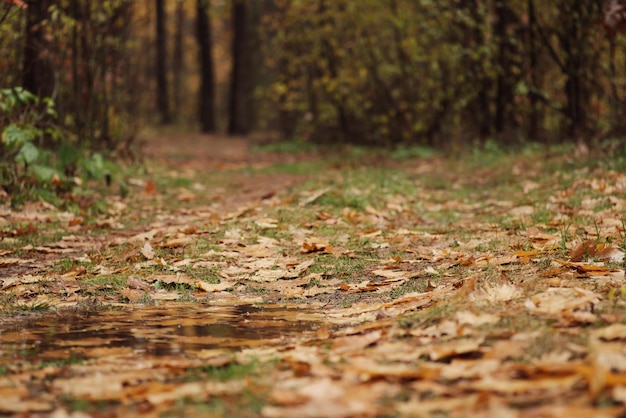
x: 35, y: 155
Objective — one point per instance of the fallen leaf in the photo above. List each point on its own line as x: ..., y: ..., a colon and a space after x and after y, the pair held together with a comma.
x: 147, y: 251
x: 316, y: 245
x: 582, y: 250
x: 455, y: 348
x: 355, y: 342
x: 471, y: 318
x: 176, y: 242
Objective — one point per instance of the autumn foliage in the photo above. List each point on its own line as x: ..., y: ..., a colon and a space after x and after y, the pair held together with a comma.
x: 398, y: 72
x: 436, y: 72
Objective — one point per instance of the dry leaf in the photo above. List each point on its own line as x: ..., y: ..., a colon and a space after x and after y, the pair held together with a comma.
x: 147, y: 251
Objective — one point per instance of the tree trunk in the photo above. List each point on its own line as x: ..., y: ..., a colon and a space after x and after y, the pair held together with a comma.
x: 38, y: 74
x: 502, y: 65
x: 161, y: 64
x: 572, y: 41
x: 179, y: 58
x: 241, y: 107
x: 207, y: 75
x: 533, y: 60
x: 510, y: 59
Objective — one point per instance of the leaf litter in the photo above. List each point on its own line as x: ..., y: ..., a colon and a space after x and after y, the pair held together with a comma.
x: 397, y: 289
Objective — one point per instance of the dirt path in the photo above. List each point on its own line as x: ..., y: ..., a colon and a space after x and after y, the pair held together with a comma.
x: 206, y: 153
x: 229, y: 282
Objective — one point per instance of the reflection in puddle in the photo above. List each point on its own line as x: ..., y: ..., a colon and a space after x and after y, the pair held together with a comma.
x: 151, y: 331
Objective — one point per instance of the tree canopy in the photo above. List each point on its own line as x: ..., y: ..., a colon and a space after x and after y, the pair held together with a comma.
x: 393, y: 72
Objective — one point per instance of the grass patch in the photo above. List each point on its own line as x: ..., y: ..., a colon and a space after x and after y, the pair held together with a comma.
x: 106, y: 284
x: 287, y: 147
x: 413, y: 152
x: 231, y: 371
x: 297, y: 168
x: 246, y: 404
x: 343, y: 267
x: 35, y: 307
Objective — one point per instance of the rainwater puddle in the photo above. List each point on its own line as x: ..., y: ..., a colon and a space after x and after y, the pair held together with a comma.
x: 170, y: 330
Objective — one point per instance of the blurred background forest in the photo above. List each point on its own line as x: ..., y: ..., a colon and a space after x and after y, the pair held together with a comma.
x: 79, y: 74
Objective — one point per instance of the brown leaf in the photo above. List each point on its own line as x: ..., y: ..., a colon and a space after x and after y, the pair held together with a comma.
x: 147, y: 251
x: 75, y: 221
x: 558, y: 301
x: 150, y: 188
x: 135, y: 283
x: 74, y: 272
x: 506, y: 349
x: 356, y: 342
x: 610, y: 253
x: 585, y: 248
x: 555, y: 385
x: 133, y: 295
x: 176, y: 242
x: 455, y: 348
x: 611, y: 333
x: 316, y: 245
x: 185, y: 195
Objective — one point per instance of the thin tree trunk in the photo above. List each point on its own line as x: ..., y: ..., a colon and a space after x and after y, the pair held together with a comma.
x: 570, y: 39
x: 78, y: 110
x: 38, y: 74
x: 533, y: 126
x: 161, y: 64
x: 503, y: 67
x: 178, y: 64
x: 207, y: 75
x: 242, y: 83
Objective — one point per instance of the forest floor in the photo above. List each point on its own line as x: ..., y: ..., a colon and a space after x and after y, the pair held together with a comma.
x: 220, y: 279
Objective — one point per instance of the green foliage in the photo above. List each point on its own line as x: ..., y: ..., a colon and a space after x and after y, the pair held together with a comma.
x: 420, y: 72
x: 87, y: 69
x: 28, y: 167
x: 22, y: 134
x: 368, y: 71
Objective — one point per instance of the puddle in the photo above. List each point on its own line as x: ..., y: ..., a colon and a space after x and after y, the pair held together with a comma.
x: 150, y: 331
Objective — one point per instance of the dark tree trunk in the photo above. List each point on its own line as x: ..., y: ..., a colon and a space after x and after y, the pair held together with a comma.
x: 533, y: 61
x: 161, y: 64
x: 510, y: 59
x: 178, y: 64
x: 580, y: 63
x: 501, y: 81
x: 241, y: 108
x: 572, y: 41
x: 38, y: 74
x: 207, y: 76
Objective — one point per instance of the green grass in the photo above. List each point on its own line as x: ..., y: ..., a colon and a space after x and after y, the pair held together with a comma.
x: 287, y: 147
x: 106, y: 283
x: 413, y: 285
x: 297, y: 168
x: 339, y: 267
x: 245, y: 404
x: 413, y: 152
x: 206, y: 274
x: 62, y: 362
x: 80, y: 405
x: 35, y: 307
x: 431, y: 316
x: 231, y: 371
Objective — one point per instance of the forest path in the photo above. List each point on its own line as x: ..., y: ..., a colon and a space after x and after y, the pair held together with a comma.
x: 206, y: 153
x: 223, y: 281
